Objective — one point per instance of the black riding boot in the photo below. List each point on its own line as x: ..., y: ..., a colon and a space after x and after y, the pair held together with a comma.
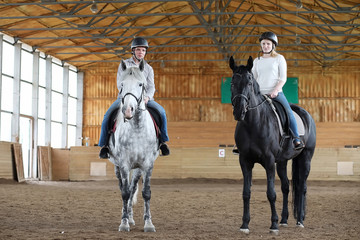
x: 104, y: 152
x: 164, y: 149
x: 298, y: 144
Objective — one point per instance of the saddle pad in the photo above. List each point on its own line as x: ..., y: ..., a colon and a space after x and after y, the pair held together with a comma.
x: 300, y: 124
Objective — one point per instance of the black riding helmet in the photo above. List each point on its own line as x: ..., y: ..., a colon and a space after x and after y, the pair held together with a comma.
x: 269, y: 36
x: 139, y: 42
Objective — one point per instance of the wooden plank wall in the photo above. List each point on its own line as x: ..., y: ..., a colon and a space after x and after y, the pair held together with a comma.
x: 192, y: 94
x: 81, y: 159
x: 206, y: 163
x: 60, y: 160
x: 6, y: 163
x: 213, y: 134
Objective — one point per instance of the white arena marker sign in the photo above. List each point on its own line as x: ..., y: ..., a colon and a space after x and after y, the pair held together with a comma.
x: 221, y: 152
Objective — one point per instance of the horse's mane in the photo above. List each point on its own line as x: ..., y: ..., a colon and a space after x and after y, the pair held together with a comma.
x: 255, y: 84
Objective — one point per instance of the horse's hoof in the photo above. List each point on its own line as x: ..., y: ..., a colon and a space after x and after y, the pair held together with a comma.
x: 244, y: 230
x: 131, y: 221
x: 283, y: 224
x: 149, y: 227
x: 300, y: 225
x: 124, y: 226
x: 274, y: 231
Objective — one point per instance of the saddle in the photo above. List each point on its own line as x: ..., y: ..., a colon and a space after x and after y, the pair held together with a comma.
x: 286, y: 134
x: 284, y: 119
x: 154, y: 113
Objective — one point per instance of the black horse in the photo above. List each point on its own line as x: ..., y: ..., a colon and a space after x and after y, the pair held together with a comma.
x: 258, y: 138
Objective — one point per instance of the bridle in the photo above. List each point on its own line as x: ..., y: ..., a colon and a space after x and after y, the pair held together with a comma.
x: 138, y: 100
x: 247, y: 107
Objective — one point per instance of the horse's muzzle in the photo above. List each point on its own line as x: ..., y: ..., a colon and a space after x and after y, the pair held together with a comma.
x: 128, y: 113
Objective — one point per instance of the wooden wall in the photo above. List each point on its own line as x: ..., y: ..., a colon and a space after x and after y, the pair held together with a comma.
x: 6, y: 164
x: 327, y: 164
x: 192, y: 94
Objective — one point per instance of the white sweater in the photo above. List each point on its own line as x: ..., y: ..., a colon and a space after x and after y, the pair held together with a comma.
x: 269, y: 71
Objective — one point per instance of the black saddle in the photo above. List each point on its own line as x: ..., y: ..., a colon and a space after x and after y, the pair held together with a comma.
x: 284, y: 118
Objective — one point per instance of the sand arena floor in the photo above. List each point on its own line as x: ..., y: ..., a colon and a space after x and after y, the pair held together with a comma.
x: 181, y: 209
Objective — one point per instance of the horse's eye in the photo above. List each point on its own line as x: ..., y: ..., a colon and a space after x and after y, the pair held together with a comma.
x: 140, y: 84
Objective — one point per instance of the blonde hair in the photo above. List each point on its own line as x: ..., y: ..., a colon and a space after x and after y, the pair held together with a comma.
x: 273, y: 53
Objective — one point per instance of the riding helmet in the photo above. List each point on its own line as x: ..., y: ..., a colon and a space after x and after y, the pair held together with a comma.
x: 269, y: 36
x: 139, y: 42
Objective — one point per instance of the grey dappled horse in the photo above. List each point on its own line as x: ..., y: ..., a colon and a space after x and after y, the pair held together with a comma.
x: 134, y: 146
x: 258, y: 140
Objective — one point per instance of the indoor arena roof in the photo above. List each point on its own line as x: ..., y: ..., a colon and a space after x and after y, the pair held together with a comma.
x: 84, y: 32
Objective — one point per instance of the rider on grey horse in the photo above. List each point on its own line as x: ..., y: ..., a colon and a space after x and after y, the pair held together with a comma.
x: 139, y: 48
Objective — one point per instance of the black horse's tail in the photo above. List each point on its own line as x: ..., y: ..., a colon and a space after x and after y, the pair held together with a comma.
x: 298, y: 189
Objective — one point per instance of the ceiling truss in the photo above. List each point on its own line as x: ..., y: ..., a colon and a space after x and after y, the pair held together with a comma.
x: 326, y: 32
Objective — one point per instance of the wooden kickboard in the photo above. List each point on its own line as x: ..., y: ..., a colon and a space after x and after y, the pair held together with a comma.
x: 7, y: 170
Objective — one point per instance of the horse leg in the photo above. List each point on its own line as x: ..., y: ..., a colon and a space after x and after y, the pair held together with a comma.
x: 301, y: 166
x: 123, y: 177
x: 281, y: 169
x: 271, y: 195
x: 146, y: 193
x: 246, y: 167
x: 133, y: 192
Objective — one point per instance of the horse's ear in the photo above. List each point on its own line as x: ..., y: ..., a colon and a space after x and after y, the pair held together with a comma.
x: 123, y: 65
x: 250, y: 63
x: 232, y: 63
x: 142, y: 65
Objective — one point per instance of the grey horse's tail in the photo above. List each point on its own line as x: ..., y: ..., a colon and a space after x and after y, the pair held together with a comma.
x: 134, y: 200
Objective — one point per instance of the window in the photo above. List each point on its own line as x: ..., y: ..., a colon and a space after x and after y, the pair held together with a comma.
x: 26, y: 66
x: 26, y: 98
x: 7, y: 94
x: 56, y: 106
x: 8, y: 59
x: 6, y: 126
x: 57, y: 78
x: 72, y: 110
x: 56, y: 135
x: 41, y: 103
x: 73, y: 84
x: 71, y: 136
x: 42, y: 72
x: 41, y: 132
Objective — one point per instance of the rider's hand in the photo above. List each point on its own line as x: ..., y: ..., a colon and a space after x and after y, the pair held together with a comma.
x: 274, y: 93
x: 146, y: 99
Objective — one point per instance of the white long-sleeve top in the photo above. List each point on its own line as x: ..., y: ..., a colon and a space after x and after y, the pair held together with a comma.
x: 148, y: 73
x: 269, y: 71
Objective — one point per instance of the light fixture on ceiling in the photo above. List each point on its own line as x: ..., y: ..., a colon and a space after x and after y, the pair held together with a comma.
x: 162, y: 64
x: 94, y: 8
x: 298, y: 4
x: 297, y: 40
